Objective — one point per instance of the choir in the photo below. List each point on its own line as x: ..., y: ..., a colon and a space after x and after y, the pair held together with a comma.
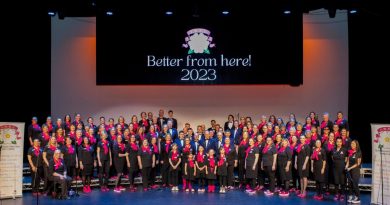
x: 271, y: 156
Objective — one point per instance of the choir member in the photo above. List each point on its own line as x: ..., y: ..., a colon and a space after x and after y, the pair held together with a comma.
x: 354, y: 161
x: 58, y: 173
x: 241, y: 148
x: 67, y: 124
x: 34, y: 131
x: 211, y: 171
x: 229, y: 124
x: 35, y: 160
x: 47, y: 155
x: 295, y: 177
x: 189, y: 172
x: 86, y: 157
x: 341, y: 121
x: 77, y: 121
x: 156, y: 152
x: 328, y: 146
x: 144, y: 121
x: 104, y: 158
x: 164, y: 159
x: 146, y: 161
x: 318, y: 165
x: 222, y: 170
x: 325, y: 122
x: 314, y: 119
x: 60, y: 137
x: 339, y: 157
x: 251, y: 160
x: 346, y: 140
x: 119, y: 154
x: 260, y: 144
x: 232, y: 161
x: 49, y: 124
x: 45, y: 136
x: 284, y: 166
x: 174, y: 121
x: 269, y: 157
x: 174, y: 162
x: 72, y: 132
x: 200, y: 163
x: 70, y: 157
x: 161, y: 120
x: 132, y: 161
x: 302, y: 164
x: 59, y: 125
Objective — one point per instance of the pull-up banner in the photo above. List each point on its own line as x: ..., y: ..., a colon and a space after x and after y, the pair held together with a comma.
x: 11, y: 159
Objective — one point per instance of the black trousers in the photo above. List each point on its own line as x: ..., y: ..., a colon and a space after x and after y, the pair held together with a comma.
x: 174, y: 177
x: 146, y: 176
x: 260, y: 177
x: 48, y: 184
x: 271, y: 177
x: 252, y: 183
x: 104, y: 172
x: 64, y: 183
x: 165, y: 173
x: 353, y: 182
x: 241, y: 171
x: 36, y: 179
x: 222, y: 181
x: 132, y: 174
x: 230, y: 175
x: 319, y: 188
x: 71, y: 171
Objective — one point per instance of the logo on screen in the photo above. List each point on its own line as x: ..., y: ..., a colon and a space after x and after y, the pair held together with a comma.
x: 198, y: 41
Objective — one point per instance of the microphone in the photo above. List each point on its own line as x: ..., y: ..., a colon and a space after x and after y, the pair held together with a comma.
x: 380, y: 146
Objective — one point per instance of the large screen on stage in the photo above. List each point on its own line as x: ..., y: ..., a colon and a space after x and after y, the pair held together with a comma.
x: 158, y: 48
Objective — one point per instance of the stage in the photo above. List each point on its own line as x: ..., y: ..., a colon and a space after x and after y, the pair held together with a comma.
x: 166, y: 197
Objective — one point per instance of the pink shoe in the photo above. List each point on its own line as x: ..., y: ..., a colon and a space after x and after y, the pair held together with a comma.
x: 336, y: 197
x: 121, y: 188
x: 117, y: 190
x: 292, y: 190
x: 341, y: 197
x: 85, y: 189
x: 284, y: 193
x: 145, y: 189
x: 247, y: 186
x: 268, y: 193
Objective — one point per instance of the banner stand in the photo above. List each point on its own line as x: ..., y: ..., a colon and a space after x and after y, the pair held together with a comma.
x: 11, y: 159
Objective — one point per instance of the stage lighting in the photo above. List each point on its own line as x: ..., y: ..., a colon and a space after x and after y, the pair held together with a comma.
x: 225, y: 12
x: 51, y: 13
x: 353, y: 11
x: 168, y: 13
x: 109, y: 13
x: 287, y: 12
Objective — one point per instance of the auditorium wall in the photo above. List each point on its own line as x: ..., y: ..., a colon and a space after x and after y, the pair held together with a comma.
x: 324, y: 89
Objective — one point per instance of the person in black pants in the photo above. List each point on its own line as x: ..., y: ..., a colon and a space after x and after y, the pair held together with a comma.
x: 302, y: 164
x: 241, y: 148
x: 35, y: 160
x: 47, y: 155
x: 339, y: 157
x: 251, y: 160
x: 119, y: 154
x: 222, y: 170
x: 353, y: 167
x: 86, y: 157
x: 211, y: 171
x: 146, y: 161
x: 166, y: 147
x: 232, y: 161
x: 174, y: 162
x: 70, y: 157
x: 318, y: 165
x: 132, y: 162
x: 57, y: 169
x: 200, y: 163
x: 284, y: 166
x: 103, y: 152
x: 269, y: 164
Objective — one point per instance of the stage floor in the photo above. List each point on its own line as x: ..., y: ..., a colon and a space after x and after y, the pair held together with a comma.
x: 166, y: 197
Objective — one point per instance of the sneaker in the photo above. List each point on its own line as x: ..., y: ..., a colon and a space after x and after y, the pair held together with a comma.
x: 102, y: 189
x: 252, y: 192
x: 155, y: 186
x: 85, y: 189
x: 292, y: 190
x: 268, y: 193
x: 356, y: 200
x: 350, y: 198
x: 145, y: 189
x: 187, y: 190
x: 302, y: 195
x: 341, y: 197
x: 117, y: 190
x: 121, y: 188
x: 192, y: 190
x: 320, y: 197
x: 336, y: 197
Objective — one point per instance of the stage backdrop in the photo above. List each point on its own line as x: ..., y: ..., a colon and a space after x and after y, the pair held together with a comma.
x: 325, y: 80
x: 380, y: 136
x: 11, y: 159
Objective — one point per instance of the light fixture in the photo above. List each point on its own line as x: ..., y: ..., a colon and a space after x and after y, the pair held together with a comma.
x: 168, y: 13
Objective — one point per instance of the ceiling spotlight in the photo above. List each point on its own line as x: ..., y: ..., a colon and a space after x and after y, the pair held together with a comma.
x: 168, y: 13
x: 225, y: 12
x: 51, y: 13
x: 353, y: 11
x: 287, y: 12
x: 109, y: 13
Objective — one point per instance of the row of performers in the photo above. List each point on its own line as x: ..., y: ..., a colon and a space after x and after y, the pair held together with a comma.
x: 255, y: 158
x: 162, y: 124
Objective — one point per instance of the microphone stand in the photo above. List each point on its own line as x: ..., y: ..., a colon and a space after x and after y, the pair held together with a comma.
x: 380, y: 153
x: 349, y: 180
x: 77, y: 169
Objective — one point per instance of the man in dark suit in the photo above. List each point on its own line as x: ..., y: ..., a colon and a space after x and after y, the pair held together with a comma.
x: 208, y: 143
x: 236, y: 131
x: 161, y: 120
x: 172, y: 130
x: 170, y: 117
x: 196, y: 142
